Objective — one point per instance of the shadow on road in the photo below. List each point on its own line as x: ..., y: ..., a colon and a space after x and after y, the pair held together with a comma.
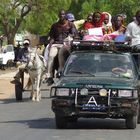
x: 25, y: 98
x: 12, y: 100
x: 49, y: 123
x: 42, y: 123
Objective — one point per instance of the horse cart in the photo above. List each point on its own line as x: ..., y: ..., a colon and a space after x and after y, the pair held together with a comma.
x: 36, y: 68
x: 19, y: 88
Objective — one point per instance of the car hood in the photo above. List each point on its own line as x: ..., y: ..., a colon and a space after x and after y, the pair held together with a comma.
x: 97, y: 82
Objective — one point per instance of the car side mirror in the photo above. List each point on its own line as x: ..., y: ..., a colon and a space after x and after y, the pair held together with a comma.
x: 59, y: 74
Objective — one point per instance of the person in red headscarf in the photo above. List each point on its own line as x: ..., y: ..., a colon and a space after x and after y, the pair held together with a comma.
x: 107, y: 25
x: 98, y: 19
x: 88, y: 23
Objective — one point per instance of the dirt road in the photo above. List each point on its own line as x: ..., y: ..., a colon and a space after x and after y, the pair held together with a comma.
x: 6, y: 88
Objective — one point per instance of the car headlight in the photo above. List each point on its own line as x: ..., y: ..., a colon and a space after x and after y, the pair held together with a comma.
x: 84, y: 91
x: 135, y: 93
x: 52, y: 92
x: 103, y: 92
x: 62, y: 92
x: 125, y: 93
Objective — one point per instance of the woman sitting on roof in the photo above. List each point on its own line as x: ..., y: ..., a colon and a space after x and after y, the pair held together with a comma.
x: 89, y: 22
x: 98, y: 19
x: 119, y: 28
x: 107, y: 25
x: 95, y: 32
x: 118, y: 24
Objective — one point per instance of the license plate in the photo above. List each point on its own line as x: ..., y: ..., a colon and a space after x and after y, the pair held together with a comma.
x: 93, y: 107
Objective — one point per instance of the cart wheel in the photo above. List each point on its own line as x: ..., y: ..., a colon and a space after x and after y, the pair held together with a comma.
x: 18, y: 91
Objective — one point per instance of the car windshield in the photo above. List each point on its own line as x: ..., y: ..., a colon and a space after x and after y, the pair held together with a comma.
x: 99, y: 64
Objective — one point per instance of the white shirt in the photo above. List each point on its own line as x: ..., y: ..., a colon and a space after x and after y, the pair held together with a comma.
x: 133, y: 31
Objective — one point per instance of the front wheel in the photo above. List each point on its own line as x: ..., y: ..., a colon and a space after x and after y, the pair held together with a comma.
x: 131, y: 122
x: 61, y: 122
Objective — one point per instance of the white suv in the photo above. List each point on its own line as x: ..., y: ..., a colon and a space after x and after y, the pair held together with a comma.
x: 7, y: 54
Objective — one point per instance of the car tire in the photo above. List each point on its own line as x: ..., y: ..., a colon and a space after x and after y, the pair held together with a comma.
x: 131, y: 122
x: 138, y: 121
x: 73, y: 119
x: 61, y: 122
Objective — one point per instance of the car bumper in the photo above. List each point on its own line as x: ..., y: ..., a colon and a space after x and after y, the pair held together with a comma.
x: 117, y: 109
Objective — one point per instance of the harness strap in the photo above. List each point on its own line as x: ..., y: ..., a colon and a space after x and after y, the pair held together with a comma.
x: 43, y: 59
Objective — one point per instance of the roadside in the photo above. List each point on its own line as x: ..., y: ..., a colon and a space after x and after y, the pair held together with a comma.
x: 6, y: 88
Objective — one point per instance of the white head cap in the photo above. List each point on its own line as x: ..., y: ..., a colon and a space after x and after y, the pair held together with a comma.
x: 26, y: 41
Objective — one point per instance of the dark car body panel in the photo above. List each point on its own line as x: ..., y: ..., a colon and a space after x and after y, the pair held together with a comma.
x: 92, y: 104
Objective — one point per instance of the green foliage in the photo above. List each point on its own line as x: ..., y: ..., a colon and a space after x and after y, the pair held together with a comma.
x: 45, y: 12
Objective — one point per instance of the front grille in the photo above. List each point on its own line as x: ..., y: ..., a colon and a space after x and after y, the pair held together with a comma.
x: 99, y: 100
x: 113, y: 92
x: 93, y: 101
x: 93, y: 92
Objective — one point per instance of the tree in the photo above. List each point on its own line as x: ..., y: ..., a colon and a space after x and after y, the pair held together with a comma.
x: 12, y: 14
x: 36, y: 16
x: 40, y: 19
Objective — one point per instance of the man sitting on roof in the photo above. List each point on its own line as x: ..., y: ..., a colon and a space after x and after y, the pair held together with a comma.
x: 58, y: 32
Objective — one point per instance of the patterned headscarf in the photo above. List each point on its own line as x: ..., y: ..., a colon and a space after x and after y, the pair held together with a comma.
x: 109, y: 21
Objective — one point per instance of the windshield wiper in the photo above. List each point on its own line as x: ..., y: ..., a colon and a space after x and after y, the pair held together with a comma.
x: 82, y: 72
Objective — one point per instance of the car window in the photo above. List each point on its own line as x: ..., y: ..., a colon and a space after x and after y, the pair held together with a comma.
x: 99, y: 64
x: 9, y: 48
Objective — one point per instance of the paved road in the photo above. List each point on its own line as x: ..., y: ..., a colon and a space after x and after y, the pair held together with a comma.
x: 29, y: 120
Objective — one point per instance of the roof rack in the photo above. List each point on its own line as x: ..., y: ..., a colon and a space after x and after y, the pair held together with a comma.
x: 79, y: 45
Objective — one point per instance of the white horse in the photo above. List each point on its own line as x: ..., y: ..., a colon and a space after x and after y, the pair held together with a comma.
x: 36, y: 67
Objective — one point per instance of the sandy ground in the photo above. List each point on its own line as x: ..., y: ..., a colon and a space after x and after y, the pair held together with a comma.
x: 6, y: 88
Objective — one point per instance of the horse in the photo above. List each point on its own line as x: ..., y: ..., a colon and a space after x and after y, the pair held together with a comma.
x: 36, y: 67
